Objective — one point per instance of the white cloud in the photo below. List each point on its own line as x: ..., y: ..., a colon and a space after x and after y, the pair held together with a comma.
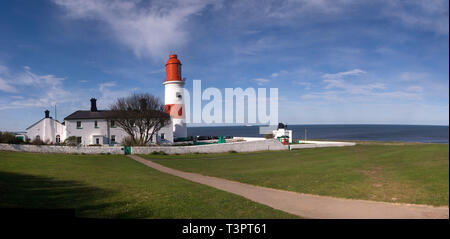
x: 6, y: 86
x: 415, y: 88
x: 426, y: 15
x: 340, y: 75
x: 37, y: 90
x: 257, y: 47
x: 353, y: 88
x: 109, y: 95
x: 305, y: 84
x: 429, y: 15
x: 280, y: 73
x: 282, y: 10
x: 46, y: 90
x: 338, y: 89
x: 261, y: 81
x: 150, y: 31
x: 414, y: 76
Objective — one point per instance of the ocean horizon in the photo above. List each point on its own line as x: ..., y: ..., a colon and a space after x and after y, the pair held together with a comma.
x: 362, y: 132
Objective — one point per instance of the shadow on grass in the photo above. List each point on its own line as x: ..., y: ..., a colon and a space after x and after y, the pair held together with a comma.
x: 39, y: 192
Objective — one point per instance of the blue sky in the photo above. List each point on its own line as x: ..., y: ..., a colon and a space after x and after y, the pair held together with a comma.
x: 334, y: 61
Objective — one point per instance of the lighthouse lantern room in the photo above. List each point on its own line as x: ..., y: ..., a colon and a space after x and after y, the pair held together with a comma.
x: 174, y: 96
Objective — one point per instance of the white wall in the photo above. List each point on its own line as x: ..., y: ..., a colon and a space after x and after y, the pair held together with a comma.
x: 283, y: 132
x: 270, y: 144
x: 88, y: 131
x: 168, y: 134
x: 47, y: 129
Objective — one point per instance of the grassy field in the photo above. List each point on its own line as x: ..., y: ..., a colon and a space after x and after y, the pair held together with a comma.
x: 386, y: 171
x: 109, y: 186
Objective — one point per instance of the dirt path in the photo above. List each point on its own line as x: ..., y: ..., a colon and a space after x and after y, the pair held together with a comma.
x: 305, y: 205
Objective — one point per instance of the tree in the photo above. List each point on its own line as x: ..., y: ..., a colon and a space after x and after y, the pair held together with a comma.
x: 70, y: 141
x: 140, y: 116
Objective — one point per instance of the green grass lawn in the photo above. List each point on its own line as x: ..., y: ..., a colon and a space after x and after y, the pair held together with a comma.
x: 114, y: 186
x: 392, y: 172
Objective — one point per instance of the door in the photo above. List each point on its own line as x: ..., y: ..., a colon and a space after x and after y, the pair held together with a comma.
x: 127, y: 150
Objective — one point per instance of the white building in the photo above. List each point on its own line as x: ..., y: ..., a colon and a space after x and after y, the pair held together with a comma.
x: 90, y: 127
x: 93, y: 127
x: 47, y: 130
x: 283, y: 132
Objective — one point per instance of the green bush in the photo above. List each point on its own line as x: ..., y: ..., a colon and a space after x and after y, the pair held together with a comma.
x: 9, y: 138
x: 38, y: 142
x: 70, y: 141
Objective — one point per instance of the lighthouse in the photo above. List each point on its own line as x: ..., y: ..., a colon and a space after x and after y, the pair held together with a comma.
x: 174, y: 96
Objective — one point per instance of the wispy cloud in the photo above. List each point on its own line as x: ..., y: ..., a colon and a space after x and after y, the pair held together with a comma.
x: 150, y: 31
x: 415, y: 88
x: 41, y: 90
x: 339, y: 89
x: 427, y: 15
x: 353, y: 88
x: 257, y: 46
x: 414, y: 76
x: 280, y: 73
x: 261, y: 81
x: 340, y: 75
x: 6, y: 86
x: 109, y: 93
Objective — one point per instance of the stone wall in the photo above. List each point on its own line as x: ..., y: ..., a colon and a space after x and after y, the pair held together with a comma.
x: 251, y: 146
x: 209, y: 148
x: 320, y: 144
x: 62, y: 149
x: 247, y: 146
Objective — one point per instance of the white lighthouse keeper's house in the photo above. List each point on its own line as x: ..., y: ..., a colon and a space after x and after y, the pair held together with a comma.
x: 174, y: 97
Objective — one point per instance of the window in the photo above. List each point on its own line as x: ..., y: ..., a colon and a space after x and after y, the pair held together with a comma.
x: 162, y: 135
x: 78, y: 140
x: 58, y: 139
x: 97, y: 141
x: 113, y: 124
x: 179, y: 95
x: 78, y: 124
x: 113, y: 138
x: 38, y: 137
x: 95, y: 124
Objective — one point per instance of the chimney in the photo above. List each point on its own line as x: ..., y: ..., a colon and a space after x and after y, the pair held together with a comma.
x: 47, y: 114
x: 93, y: 104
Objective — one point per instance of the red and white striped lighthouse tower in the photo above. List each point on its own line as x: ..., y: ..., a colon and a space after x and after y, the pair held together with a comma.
x: 174, y: 96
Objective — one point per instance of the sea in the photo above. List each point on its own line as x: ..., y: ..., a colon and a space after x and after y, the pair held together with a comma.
x: 399, y: 133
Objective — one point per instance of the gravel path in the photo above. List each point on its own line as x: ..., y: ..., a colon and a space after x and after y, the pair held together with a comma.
x: 306, y: 205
